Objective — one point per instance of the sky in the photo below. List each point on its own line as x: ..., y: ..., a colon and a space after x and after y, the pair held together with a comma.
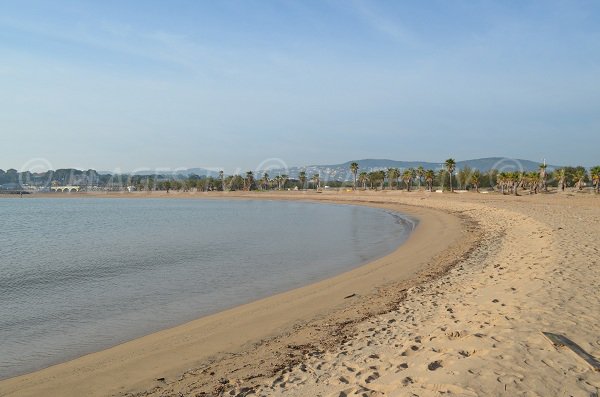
x: 127, y: 85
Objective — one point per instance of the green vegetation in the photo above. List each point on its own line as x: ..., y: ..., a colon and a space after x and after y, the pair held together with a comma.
x: 450, y: 165
x: 429, y: 178
x: 316, y: 180
x: 595, y: 176
x: 393, y: 174
x: 447, y: 177
x: 302, y: 179
x: 407, y: 178
x: 354, y: 170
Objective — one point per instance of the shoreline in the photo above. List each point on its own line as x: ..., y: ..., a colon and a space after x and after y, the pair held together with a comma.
x: 215, y: 339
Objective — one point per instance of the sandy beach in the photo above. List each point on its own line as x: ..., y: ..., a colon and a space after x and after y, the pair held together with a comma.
x: 459, y: 309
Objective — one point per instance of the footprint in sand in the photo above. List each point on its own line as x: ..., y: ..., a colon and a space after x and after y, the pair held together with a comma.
x: 407, y: 381
x: 455, y: 334
x: 343, y: 380
x: 401, y: 367
x: 466, y: 353
x: 409, y: 351
x: 432, y: 366
x: 372, y: 377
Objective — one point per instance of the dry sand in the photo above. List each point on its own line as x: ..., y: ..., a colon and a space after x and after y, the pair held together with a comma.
x: 518, y: 266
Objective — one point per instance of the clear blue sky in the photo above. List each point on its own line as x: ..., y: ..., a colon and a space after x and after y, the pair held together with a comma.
x: 146, y: 84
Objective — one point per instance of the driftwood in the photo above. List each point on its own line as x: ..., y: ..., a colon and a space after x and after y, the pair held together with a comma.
x: 562, y: 341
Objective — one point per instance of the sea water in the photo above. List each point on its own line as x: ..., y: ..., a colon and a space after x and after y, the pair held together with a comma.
x: 79, y: 275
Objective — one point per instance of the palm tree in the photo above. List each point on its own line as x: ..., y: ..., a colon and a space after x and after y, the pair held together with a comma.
x: 302, y: 179
x: 407, y: 177
x: 372, y: 177
x: 363, y: 178
x: 534, y: 180
x: 429, y: 176
x: 579, y: 177
x: 420, y: 173
x: 316, y: 181
x: 238, y: 182
x: 450, y: 165
x: 354, y: 170
x: 475, y: 180
x: 284, y: 179
x: 515, y: 180
x: 392, y: 174
x: 502, y: 180
x: 222, y: 178
x: 277, y: 180
x: 561, y: 176
x: 265, y: 181
x: 508, y: 182
x: 389, y: 174
x: 248, y: 180
x: 520, y: 180
x: 381, y: 178
x: 228, y: 181
x: 377, y: 177
x: 595, y: 175
x: 543, y: 176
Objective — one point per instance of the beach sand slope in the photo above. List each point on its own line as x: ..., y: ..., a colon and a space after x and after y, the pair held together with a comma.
x: 477, y: 331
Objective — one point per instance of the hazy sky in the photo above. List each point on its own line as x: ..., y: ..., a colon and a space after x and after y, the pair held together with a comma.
x: 167, y: 84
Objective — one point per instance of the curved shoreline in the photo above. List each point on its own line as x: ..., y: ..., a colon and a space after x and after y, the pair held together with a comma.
x: 335, y: 260
x: 215, y: 341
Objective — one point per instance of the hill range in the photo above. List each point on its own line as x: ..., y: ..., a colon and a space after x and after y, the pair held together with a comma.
x: 342, y: 171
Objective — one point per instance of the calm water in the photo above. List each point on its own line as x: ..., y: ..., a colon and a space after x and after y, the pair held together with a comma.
x: 78, y: 275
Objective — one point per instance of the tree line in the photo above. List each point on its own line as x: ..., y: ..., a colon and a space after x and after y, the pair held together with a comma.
x: 447, y: 178
x: 467, y: 178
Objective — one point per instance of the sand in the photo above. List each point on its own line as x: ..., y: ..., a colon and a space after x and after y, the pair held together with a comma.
x: 457, y: 310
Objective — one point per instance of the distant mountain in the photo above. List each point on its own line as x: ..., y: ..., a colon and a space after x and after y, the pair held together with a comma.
x: 202, y: 172
x: 382, y: 163
x: 178, y: 172
x: 503, y: 164
x: 342, y: 171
